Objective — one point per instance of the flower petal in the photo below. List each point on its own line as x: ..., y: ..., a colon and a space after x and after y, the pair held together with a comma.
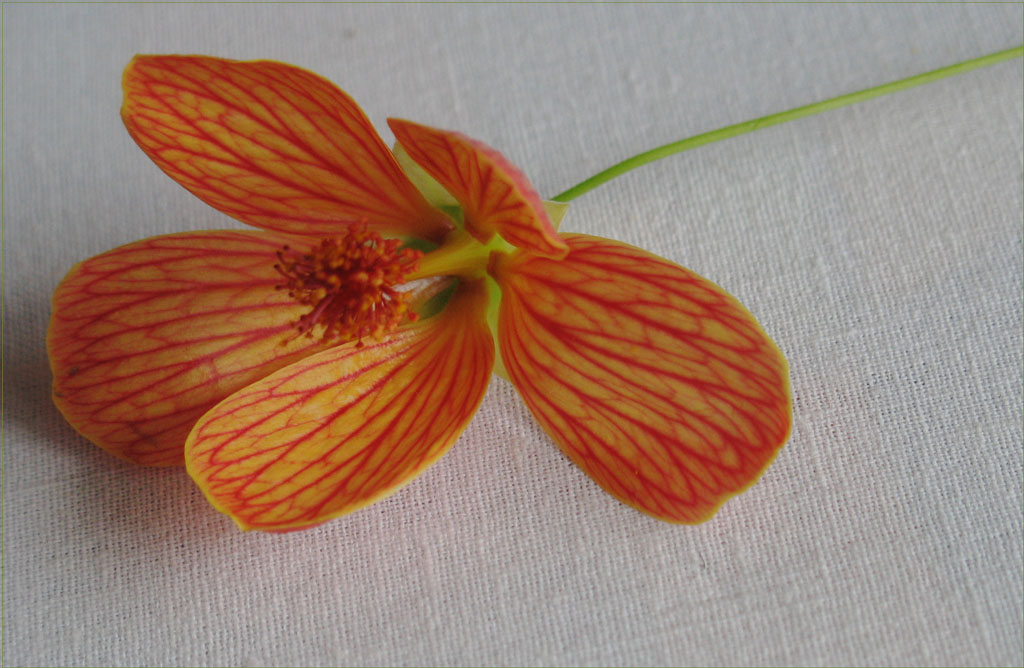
x: 495, y: 196
x: 439, y: 197
x: 147, y: 337
x: 656, y: 382
x: 270, y: 144
x: 343, y: 428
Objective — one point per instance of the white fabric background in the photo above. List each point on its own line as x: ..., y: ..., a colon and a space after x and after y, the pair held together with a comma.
x: 880, y: 245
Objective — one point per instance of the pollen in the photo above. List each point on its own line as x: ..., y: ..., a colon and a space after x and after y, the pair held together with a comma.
x: 349, y: 281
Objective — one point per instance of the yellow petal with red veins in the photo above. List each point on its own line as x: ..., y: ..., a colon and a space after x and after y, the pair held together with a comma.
x: 438, y: 196
x: 147, y: 337
x: 270, y: 144
x: 347, y: 426
x: 655, y: 381
x: 495, y: 196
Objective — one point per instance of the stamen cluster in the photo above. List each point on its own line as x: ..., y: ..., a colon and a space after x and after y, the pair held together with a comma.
x: 350, y: 283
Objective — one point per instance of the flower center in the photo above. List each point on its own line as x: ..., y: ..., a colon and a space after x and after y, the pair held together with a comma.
x: 350, y: 283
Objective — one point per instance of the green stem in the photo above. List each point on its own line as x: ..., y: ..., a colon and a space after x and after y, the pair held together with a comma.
x: 774, y: 119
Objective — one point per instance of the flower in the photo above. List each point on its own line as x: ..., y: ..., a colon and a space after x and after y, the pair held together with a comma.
x: 299, y: 374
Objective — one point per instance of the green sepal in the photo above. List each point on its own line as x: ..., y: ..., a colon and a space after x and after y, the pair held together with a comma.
x: 431, y: 190
x: 556, y: 212
x: 493, y: 310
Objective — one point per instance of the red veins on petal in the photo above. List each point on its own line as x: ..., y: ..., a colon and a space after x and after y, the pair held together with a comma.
x: 147, y: 337
x: 495, y: 196
x: 347, y: 426
x: 273, y: 145
x: 655, y: 381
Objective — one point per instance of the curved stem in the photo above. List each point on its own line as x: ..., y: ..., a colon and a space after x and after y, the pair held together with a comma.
x: 775, y: 119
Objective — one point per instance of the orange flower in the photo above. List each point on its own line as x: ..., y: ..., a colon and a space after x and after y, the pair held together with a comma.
x: 299, y: 373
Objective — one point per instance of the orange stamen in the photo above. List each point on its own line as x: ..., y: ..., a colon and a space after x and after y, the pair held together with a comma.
x: 350, y: 283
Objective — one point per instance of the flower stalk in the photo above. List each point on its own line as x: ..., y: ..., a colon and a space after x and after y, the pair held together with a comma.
x: 728, y: 131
